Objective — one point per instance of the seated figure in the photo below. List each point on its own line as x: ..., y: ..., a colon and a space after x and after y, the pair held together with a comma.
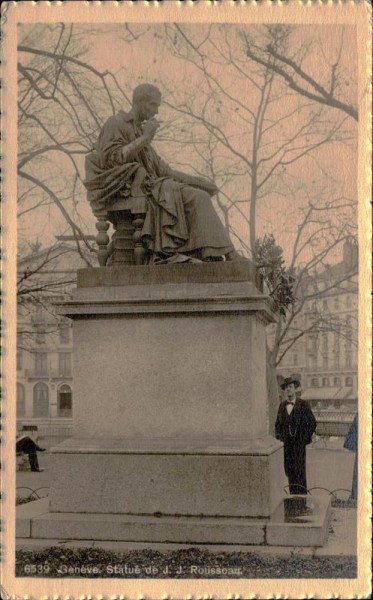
x: 179, y: 216
x: 26, y: 445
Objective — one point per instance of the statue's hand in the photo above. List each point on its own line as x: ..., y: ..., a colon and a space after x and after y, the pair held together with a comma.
x: 149, y: 129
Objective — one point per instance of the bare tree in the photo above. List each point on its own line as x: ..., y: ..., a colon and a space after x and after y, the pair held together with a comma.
x: 308, y: 316
x: 269, y: 135
x: 269, y: 132
x: 290, y: 69
x: 320, y: 235
x: 62, y: 103
x: 41, y: 282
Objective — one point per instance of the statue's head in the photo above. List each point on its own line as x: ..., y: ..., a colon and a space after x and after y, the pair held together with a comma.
x: 146, y: 99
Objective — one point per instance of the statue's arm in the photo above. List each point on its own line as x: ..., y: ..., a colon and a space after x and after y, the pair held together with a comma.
x: 116, y: 146
x: 200, y: 182
x: 129, y: 151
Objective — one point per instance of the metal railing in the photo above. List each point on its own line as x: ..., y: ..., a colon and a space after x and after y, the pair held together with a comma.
x: 332, y: 429
x: 333, y: 423
x: 51, y: 435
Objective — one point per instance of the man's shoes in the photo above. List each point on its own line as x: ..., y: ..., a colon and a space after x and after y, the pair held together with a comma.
x: 37, y: 470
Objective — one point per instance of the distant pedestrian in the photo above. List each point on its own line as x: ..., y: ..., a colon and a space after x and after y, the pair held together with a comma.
x: 26, y: 445
x: 351, y: 443
x: 295, y: 425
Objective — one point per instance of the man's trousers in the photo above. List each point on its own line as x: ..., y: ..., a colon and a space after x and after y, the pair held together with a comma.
x: 295, y: 468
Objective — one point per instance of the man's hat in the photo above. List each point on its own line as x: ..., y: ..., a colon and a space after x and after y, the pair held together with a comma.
x: 288, y: 380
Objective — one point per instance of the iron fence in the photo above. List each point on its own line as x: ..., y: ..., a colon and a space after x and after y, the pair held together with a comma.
x: 50, y: 435
x: 333, y: 424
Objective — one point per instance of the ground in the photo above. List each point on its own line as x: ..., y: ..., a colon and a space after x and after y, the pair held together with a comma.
x: 191, y: 563
x: 329, y: 468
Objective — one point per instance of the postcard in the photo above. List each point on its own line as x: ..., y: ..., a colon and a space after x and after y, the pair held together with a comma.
x: 187, y: 300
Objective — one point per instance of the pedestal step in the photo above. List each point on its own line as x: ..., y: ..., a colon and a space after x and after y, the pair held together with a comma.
x: 301, y: 521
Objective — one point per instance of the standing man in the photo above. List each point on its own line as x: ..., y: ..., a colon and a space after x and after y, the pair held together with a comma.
x: 351, y: 443
x: 294, y: 426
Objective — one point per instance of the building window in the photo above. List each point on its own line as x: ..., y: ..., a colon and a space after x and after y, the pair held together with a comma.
x: 336, y: 304
x: 65, y: 401
x: 325, y: 382
x: 41, y: 363
x: 40, y: 337
x: 295, y: 359
x: 21, y: 401
x: 336, y: 351
x: 19, y: 360
x: 348, y: 381
x: 312, y: 359
x: 64, y: 363
x: 324, y: 351
x: 337, y: 381
x: 337, y: 404
x: 348, y: 301
x: 41, y: 400
x: 39, y: 314
x: 64, y: 334
x: 314, y: 382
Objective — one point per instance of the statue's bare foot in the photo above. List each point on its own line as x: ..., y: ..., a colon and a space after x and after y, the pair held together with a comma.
x: 235, y: 257
x: 213, y: 259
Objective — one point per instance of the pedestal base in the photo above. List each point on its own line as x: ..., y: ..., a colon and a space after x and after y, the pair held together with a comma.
x: 183, y: 477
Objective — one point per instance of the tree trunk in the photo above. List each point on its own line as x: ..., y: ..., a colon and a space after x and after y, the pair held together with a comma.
x: 272, y: 392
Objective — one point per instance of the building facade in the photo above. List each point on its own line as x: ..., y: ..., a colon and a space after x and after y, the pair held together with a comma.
x: 325, y: 356
x: 45, y: 390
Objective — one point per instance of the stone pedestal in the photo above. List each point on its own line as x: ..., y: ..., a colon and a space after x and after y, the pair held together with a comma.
x: 169, y: 409
x: 165, y: 476
x: 168, y: 360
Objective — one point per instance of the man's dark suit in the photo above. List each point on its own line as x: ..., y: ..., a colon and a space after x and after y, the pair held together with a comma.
x: 295, y: 431
x: 27, y: 445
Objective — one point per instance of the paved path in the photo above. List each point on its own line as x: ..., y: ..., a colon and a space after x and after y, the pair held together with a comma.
x: 331, y: 469
x: 27, y: 480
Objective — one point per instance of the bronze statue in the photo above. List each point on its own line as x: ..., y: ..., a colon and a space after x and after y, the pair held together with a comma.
x: 179, y: 218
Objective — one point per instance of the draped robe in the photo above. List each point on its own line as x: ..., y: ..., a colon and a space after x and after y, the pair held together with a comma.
x: 180, y: 218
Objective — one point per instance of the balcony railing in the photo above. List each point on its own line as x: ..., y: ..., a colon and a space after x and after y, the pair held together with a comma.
x: 37, y: 374
x: 67, y: 374
x: 331, y: 370
x: 65, y: 413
